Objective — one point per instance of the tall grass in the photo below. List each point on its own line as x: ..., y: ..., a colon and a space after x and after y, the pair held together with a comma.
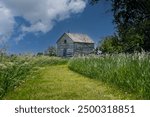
x: 130, y: 73
x: 14, y: 69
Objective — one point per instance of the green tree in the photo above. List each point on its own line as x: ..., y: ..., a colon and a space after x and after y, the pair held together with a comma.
x: 110, y: 44
x: 133, y: 41
x: 51, y: 51
x: 39, y: 53
x: 132, y: 15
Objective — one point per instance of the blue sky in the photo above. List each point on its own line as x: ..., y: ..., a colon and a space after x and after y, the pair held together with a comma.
x: 95, y: 21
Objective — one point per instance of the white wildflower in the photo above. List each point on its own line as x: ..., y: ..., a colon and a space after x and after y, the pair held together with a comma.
x: 3, y: 66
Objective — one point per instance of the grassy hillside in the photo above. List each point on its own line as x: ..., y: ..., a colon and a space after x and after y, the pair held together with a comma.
x: 131, y: 73
x: 59, y: 83
x: 14, y: 69
x: 41, y: 77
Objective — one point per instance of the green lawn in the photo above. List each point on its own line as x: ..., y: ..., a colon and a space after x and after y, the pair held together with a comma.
x: 58, y: 82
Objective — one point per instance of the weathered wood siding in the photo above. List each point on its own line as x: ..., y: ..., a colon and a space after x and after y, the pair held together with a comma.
x: 83, y: 48
x: 67, y: 48
x: 63, y: 46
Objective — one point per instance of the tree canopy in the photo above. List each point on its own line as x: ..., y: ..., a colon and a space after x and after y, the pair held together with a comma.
x: 132, y: 19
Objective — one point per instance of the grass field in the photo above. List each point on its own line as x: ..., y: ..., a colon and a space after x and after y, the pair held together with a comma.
x: 58, y: 82
x: 130, y: 73
x: 122, y: 76
x: 15, y: 69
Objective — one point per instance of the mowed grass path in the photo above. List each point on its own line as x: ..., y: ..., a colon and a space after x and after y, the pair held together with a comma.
x: 60, y: 83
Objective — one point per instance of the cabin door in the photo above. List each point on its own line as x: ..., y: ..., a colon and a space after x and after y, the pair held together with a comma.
x: 65, y: 52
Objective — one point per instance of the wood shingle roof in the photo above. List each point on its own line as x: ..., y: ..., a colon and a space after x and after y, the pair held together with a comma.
x: 80, y: 38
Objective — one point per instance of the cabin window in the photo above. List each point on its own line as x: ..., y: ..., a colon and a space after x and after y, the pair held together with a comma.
x: 65, y: 41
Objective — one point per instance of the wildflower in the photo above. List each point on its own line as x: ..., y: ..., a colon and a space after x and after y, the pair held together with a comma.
x: 3, y: 66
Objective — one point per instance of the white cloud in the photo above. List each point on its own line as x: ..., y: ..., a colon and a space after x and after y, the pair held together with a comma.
x: 42, y: 14
x: 6, y: 23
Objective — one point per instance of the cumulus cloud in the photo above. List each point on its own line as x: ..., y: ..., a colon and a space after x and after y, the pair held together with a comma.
x: 41, y: 14
x: 6, y: 23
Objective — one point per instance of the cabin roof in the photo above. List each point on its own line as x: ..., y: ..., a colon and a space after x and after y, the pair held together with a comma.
x: 79, y: 38
x: 82, y: 38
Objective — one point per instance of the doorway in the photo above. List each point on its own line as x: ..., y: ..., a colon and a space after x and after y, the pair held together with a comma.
x: 65, y: 52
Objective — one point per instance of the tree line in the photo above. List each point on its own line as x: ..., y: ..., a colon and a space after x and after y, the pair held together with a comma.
x: 132, y: 20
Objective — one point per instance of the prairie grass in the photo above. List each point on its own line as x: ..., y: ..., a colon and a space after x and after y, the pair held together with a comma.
x: 14, y: 69
x: 59, y: 83
x: 129, y: 72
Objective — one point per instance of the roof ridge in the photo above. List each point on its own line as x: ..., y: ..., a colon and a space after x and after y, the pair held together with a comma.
x: 78, y: 37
